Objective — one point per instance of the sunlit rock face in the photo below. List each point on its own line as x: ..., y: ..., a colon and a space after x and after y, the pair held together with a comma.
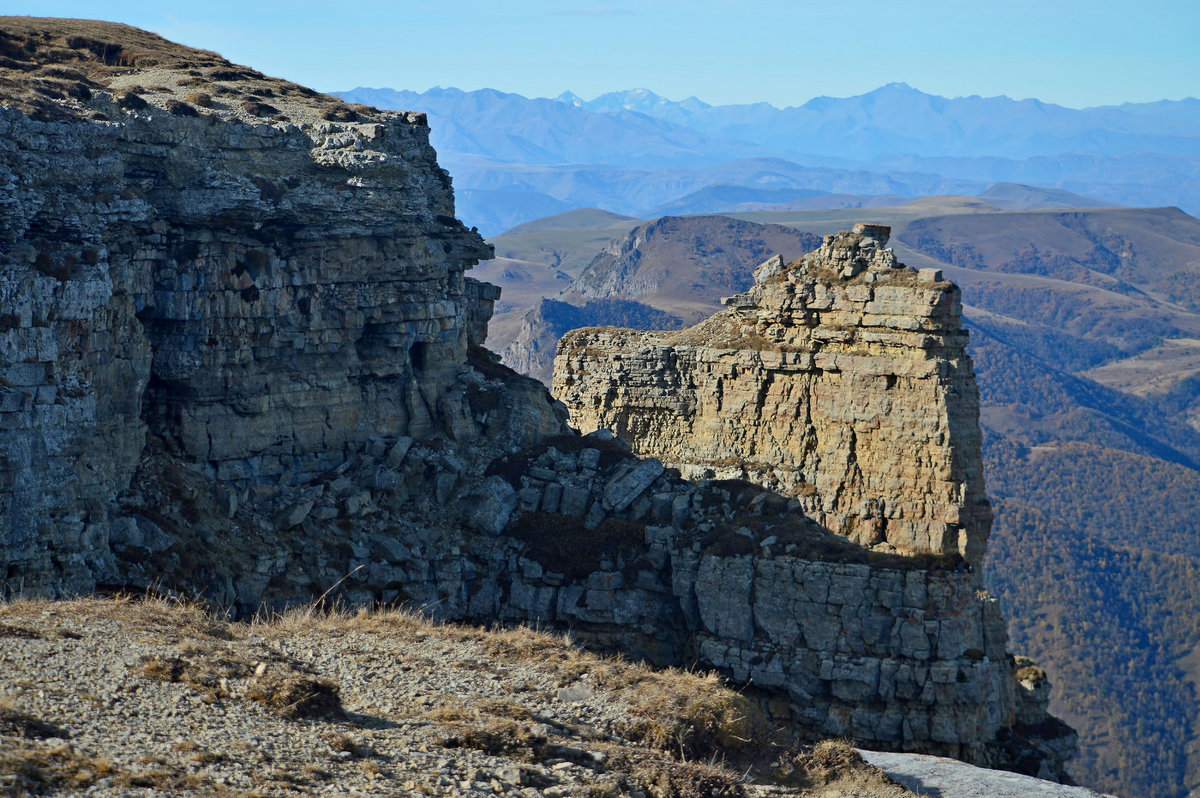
x: 841, y: 379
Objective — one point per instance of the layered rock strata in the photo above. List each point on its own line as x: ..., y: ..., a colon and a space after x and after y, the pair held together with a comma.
x: 841, y: 380
x: 241, y: 363
x: 261, y: 295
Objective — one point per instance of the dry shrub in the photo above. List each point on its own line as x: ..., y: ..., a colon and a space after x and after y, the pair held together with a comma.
x: 835, y: 764
x: 339, y: 113
x: 177, y: 108
x: 350, y: 744
x: 206, y: 671
x: 503, y: 708
x: 499, y: 736
x: 296, y: 695
x: 38, y: 771
x: 131, y: 101
x: 696, y: 716
x: 22, y: 632
x: 666, y: 778
x: 830, y: 760
x: 450, y: 714
x: 493, y: 733
x: 199, y: 98
x: 256, y: 108
x: 14, y: 722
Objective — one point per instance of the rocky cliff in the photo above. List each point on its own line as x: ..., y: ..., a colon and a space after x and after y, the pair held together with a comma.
x: 839, y: 383
x: 258, y: 280
x: 241, y: 362
x: 841, y: 380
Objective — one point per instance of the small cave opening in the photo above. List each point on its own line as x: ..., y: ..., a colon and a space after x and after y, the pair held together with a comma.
x: 373, y: 343
x: 417, y: 355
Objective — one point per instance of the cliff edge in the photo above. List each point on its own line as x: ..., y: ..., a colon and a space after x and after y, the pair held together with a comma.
x: 256, y: 282
x: 240, y: 362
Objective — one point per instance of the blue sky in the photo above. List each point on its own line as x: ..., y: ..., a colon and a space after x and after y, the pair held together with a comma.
x: 723, y: 51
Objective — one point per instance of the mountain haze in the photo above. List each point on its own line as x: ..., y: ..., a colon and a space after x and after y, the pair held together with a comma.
x: 638, y: 153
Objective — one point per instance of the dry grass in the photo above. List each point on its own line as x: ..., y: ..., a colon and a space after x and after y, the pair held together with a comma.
x: 678, y: 720
x: 51, y: 68
x: 24, y: 632
x: 37, y: 770
x: 834, y: 767
x: 664, y: 778
x: 494, y: 727
x: 206, y: 670
x: 35, y: 759
x: 297, y: 695
x: 16, y: 723
x: 694, y: 715
x: 174, y: 618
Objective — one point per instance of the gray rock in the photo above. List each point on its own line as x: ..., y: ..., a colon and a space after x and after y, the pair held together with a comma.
x: 575, y: 500
x: 396, y: 455
x: 576, y: 693
x: 552, y: 497
x: 768, y: 268
x: 935, y: 775
x: 622, y: 489
x: 491, y: 506
x: 295, y: 515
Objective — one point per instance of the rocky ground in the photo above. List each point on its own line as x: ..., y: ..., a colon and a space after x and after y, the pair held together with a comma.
x: 103, y: 697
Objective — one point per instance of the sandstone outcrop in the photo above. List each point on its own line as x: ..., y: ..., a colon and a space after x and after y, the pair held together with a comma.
x: 841, y: 380
x: 840, y: 384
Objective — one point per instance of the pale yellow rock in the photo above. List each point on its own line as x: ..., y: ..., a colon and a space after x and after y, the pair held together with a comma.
x: 854, y: 395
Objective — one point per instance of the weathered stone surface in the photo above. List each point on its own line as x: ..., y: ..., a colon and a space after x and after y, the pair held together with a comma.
x: 933, y: 775
x: 264, y: 298
x: 241, y: 364
x: 491, y: 506
x: 625, y: 487
x: 856, y: 398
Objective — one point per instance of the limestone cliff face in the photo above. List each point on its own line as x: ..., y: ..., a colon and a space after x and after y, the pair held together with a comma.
x: 841, y: 380
x: 841, y: 384
x: 240, y: 362
x: 263, y: 296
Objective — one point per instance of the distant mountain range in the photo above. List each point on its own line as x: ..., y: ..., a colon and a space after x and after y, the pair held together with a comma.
x: 897, y: 119
x: 514, y: 158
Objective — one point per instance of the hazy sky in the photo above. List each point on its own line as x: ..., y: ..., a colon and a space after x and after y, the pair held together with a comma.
x: 1071, y: 52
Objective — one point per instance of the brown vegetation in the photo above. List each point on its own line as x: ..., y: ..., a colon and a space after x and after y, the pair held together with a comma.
x: 680, y: 734
x: 51, y: 69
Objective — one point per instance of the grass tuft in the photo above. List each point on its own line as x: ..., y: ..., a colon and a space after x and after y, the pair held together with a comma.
x: 297, y: 695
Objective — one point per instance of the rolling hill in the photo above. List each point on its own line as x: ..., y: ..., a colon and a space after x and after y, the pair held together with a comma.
x: 661, y: 274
